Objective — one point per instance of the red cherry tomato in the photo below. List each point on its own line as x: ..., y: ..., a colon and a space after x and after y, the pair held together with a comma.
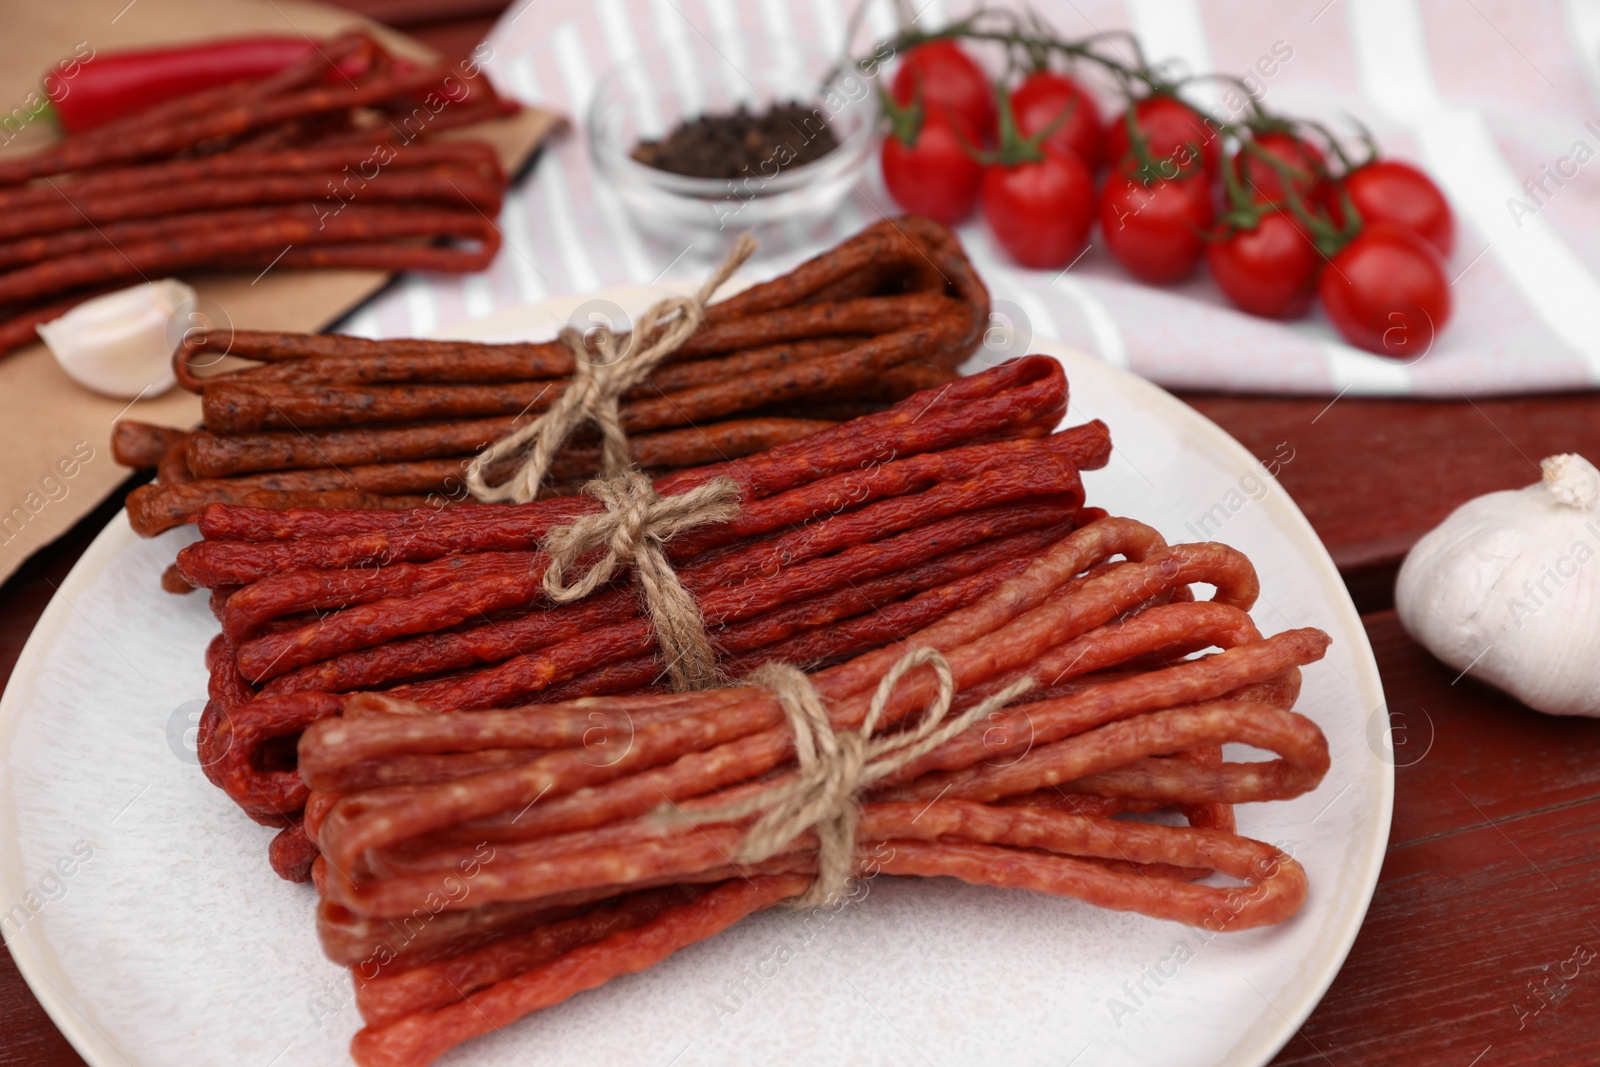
x: 1042, y: 99
x: 1270, y: 270
x: 1040, y: 211
x: 1387, y: 190
x: 1258, y: 176
x: 1171, y: 128
x: 1386, y: 291
x: 950, y: 82
x: 1156, y: 231
x: 934, y: 176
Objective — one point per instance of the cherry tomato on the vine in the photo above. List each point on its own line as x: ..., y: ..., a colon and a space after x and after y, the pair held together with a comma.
x: 1387, y: 190
x: 948, y: 81
x: 1270, y: 270
x: 1262, y: 179
x: 1040, y: 210
x: 934, y: 175
x: 1158, y: 230
x: 1386, y: 291
x: 1045, y: 98
x: 1171, y: 129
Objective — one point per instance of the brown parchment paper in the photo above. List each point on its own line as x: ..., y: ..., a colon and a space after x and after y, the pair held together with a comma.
x: 55, y: 456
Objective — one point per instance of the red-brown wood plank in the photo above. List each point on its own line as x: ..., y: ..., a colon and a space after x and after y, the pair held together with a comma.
x: 1489, y: 880
x: 1375, y: 475
x: 1464, y: 930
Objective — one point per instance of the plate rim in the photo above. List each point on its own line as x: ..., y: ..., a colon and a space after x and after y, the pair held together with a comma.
x: 87, y: 1040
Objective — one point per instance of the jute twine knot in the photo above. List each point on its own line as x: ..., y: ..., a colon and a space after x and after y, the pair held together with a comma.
x: 634, y: 526
x: 834, y: 768
x: 599, y: 380
x: 637, y: 521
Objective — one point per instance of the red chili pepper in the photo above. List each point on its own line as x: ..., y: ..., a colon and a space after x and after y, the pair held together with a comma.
x: 92, y: 91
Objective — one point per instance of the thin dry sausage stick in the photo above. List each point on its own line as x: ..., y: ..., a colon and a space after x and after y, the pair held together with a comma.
x: 207, y: 246
x: 875, y: 626
x: 239, y: 737
x: 154, y: 509
x: 388, y: 998
x: 143, y: 141
x: 1276, y: 886
x: 244, y: 406
x: 20, y: 326
x: 359, y: 222
x: 253, y: 606
x: 871, y: 315
x: 420, y: 1039
x: 142, y: 444
x: 371, y: 256
x: 776, y: 341
x: 1189, y: 682
x: 449, y: 185
x: 327, y: 161
x: 544, y: 359
x: 1110, y: 760
x: 372, y: 948
x: 291, y: 854
x: 438, y: 368
x: 174, y: 467
x: 875, y: 244
x: 675, y: 376
x: 216, y: 456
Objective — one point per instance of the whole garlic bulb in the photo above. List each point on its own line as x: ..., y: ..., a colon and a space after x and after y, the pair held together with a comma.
x: 1508, y: 589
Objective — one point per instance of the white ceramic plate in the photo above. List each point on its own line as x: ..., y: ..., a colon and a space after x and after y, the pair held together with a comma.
x: 140, y: 908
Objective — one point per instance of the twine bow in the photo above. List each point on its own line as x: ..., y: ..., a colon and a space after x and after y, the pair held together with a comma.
x: 596, y: 387
x: 633, y: 527
x: 636, y: 522
x: 834, y: 768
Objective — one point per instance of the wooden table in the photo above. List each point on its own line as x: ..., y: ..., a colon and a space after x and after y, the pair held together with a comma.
x: 1483, y: 895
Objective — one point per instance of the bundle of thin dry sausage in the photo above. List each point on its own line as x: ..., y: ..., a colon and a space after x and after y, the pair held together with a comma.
x: 289, y: 170
x: 338, y: 421
x: 843, y: 540
x: 554, y: 847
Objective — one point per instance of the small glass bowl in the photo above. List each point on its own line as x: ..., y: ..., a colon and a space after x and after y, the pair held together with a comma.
x: 646, y: 97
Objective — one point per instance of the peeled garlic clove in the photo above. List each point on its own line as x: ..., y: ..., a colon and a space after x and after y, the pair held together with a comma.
x: 119, y: 344
x: 1507, y: 589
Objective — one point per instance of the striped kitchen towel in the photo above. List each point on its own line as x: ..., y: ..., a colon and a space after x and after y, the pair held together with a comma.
x: 1498, y: 99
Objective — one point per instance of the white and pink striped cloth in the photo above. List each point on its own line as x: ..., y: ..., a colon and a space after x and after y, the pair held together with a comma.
x: 1498, y: 99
